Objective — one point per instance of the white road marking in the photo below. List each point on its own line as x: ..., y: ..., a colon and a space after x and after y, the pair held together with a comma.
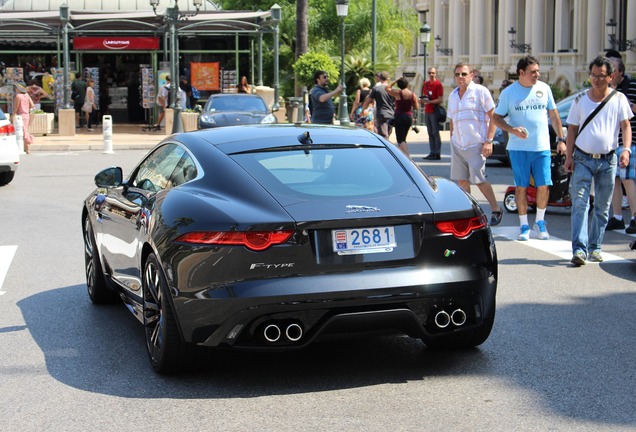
x: 555, y: 246
x: 6, y: 256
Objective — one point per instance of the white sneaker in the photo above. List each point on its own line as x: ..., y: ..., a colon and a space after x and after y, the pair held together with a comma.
x: 542, y: 229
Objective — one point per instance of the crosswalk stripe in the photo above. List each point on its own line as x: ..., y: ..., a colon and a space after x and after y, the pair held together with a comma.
x: 555, y: 246
x: 6, y: 256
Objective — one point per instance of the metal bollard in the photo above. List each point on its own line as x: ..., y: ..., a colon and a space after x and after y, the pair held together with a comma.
x: 18, y: 125
x: 107, y: 127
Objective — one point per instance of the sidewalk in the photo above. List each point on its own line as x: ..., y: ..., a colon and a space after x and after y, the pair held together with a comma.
x: 131, y: 137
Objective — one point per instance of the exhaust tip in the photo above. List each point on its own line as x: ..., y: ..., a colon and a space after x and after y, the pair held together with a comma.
x: 294, y: 332
x: 442, y: 319
x: 458, y: 317
x: 272, y: 333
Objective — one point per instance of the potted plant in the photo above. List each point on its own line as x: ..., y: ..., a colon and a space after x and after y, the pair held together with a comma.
x: 41, y: 122
x: 190, y: 120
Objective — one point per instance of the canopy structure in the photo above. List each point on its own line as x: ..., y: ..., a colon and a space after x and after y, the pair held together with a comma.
x: 77, y: 18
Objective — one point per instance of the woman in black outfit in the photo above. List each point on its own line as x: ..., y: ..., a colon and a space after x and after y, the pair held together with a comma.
x: 405, y: 104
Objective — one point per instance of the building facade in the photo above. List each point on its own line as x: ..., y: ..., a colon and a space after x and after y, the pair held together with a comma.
x: 491, y: 35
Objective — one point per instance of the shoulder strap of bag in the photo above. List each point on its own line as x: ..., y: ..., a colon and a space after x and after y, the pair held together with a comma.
x: 598, y: 108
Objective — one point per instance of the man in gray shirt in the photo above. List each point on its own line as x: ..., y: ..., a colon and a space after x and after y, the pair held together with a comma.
x: 384, y: 104
x: 320, y: 103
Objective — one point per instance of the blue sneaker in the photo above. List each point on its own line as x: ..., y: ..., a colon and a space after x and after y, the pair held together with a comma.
x: 542, y: 229
x: 525, y: 233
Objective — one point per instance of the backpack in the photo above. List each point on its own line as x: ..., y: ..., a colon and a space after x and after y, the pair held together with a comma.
x: 160, y: 98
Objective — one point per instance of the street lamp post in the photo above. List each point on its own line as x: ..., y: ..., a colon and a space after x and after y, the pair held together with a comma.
x: 276, y: 17
x: 342, y: 8
x: 425, y: 37
x: 171, y: 17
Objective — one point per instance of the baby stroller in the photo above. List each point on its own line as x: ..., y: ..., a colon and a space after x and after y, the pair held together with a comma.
x: 559, y: 191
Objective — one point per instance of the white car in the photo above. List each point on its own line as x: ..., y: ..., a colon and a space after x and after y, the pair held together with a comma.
x: 9, y: 153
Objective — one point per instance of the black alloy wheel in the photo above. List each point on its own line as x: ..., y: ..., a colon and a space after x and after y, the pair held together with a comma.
x: 166, y: 351
x: 98, y: 290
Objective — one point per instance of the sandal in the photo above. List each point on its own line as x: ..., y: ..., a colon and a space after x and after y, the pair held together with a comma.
x: 495, y: 218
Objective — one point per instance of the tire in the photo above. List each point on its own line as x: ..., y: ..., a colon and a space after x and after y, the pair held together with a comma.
x: 467, y: 339
x: 166, y: 350
x: 6, y: 177
x: 510, y: 203
x: 98, y: 289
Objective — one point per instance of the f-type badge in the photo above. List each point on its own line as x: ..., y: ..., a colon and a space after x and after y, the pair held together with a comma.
x: 361, y: 209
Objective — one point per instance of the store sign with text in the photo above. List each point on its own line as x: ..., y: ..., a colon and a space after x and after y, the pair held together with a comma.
x: 116, y: 43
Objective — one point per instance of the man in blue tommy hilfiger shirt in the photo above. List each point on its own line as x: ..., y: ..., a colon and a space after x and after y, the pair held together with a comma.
x: 525, y: 104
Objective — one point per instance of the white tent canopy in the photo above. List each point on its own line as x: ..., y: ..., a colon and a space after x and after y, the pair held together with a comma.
x: 99, y: 5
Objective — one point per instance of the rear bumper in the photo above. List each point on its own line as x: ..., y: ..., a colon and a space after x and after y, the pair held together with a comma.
x: 328, y: 306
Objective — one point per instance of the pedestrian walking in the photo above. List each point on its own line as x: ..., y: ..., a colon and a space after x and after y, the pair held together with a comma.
x: 528, y: 102
x: 89, y: 104
x: 37, y: 93
x: 356, y: 109
x: 78, y: 94
x: 624, y: 176
x: 432, y: 94
x: 470, y: 108
x: 384, y: 105
x: 320, y: 103
x: 593, y: 123
x: 22, y: 106
x: 405, y: 104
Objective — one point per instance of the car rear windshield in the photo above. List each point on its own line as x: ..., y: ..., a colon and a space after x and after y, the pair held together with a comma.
x: 337, y: 172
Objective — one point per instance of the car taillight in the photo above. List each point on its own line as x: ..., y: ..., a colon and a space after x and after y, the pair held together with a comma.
x: 7, y: 130
x: 253, y: 240
x: 462, y: 227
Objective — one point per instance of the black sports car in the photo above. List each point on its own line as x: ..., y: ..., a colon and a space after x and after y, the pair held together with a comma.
x: 272, y: 237
x: 231, y: 109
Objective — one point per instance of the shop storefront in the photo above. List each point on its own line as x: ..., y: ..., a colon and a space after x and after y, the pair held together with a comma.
x: 126, y: 53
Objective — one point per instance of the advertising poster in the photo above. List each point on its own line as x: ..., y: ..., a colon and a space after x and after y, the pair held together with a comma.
x: 205, y: 76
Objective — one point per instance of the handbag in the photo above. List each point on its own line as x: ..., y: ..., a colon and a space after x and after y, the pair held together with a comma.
x: 87, y: 107
x: 440, y: 113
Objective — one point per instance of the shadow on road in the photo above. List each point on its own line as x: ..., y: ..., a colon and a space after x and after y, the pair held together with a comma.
x: 563, y: 359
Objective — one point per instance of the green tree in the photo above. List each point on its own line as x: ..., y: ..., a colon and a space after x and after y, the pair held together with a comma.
x: 311, y: 62
x: 397, y: 31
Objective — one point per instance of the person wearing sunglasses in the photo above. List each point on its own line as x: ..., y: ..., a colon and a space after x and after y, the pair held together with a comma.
x: 470, y: 108
x: 527, y: 103
x: 432, y: 94
x: 320, y: 103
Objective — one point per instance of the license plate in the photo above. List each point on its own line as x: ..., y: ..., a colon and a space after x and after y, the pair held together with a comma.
x: 363, y: 240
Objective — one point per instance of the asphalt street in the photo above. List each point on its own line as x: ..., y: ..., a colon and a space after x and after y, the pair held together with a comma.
x: 560, y: 356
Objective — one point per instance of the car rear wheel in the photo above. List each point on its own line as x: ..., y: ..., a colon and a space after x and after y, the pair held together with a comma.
x: 6, y: 177
x: 98, y: 290
x: 166, y: 350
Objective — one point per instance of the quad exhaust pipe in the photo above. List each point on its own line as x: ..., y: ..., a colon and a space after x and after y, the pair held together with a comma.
x: 292, y: 332
x: 443, y: 319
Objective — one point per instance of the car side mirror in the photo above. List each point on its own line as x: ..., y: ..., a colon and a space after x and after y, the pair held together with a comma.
x: 109, y: 177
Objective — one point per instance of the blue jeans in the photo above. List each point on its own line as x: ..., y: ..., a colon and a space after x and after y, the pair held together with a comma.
x: 432, y: 126
x: 603, y: 172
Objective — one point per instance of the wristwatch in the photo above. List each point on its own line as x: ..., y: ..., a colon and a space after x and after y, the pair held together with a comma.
x: 628, y: 149
x: 561, y: 139
x: 488, y: 141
